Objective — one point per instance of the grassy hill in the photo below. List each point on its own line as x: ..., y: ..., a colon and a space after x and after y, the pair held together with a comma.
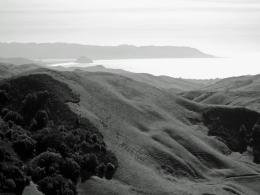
x: 234, y: 91
x: 164, y: 143
x: 161, y: 141
x: 164, y: 82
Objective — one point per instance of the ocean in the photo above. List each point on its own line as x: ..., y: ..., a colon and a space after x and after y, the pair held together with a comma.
x: 193, y: 68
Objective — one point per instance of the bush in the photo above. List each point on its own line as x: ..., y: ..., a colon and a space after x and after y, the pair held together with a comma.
x: 256, y: 143
x: 243, y: 139
x: 30, y: 104
x: 88, y: 164
x: 10, y: 185
x: 3, y: 154
x: 4, y: 111
x: 33, y: 102
x: 14, y: 117
x: 46, y: 160
x: 49, y: 139
x: 100, y: 170
x: 110, y: 170
x: 43, y: 97
x: 24, y: 146
x: 57, y: 185
x: 13, y: 178
x: 72, y: 139
x: 48, y: 171
x: 40, y: 121
x: 41, y: 118
x: 6, y: 87
x: 3, y: 97
x: 70, y: 169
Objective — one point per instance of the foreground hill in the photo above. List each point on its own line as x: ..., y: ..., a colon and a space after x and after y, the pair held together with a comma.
x: 66, y: 50
x: 162, y: 141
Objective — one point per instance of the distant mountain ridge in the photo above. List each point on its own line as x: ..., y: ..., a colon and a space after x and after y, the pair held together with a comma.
x: 68, y: 50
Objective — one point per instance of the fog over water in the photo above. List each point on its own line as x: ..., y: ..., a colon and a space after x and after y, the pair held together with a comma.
x: 197, y: 68
x: 227, y: 28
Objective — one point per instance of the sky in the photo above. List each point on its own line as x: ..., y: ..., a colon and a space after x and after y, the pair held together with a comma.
x: 218, y: 27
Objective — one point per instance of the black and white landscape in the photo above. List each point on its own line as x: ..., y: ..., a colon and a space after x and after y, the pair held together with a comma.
x: 81, y: 114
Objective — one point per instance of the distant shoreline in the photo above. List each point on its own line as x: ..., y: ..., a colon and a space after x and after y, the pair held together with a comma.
x: 95, y: 52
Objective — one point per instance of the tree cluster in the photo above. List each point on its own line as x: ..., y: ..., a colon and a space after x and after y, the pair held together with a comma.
x: 55, y: 156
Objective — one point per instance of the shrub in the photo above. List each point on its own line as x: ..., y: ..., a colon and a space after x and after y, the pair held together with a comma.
x: 29, y: 104
x: 46, y: 159
x: 85, y: 147
x: 42, y: 97
x: 49, y: 139
x: 57, y: 185
x: 256, y: 143
x: 72, y: 139
x: 6, y: 87
x: 14, y: 117
x: 110, y: 157
x: 88, y: 164
x: 3, y: 97
x: 243, y: 139
x: 10, y: 185
x: 2, y: 154
x: 40, y: 121
x: 24, y: 146
x: 37, y: 173
x: 41, y: 118
x: 33, y: 102
x: 70, y: 169
x: 94, y: 138
x: 100, y: 170
x: 13, y: 178
x: 110, y: 170
x: 4, y: 111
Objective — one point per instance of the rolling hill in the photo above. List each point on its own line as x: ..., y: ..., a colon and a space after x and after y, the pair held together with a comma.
x: 235, y: 91
x: 164, y: 82
x: 161, y: 140
x: 164, y: 143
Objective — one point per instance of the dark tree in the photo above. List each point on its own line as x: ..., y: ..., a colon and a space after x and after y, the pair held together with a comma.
x: 24, y: 146
x: 100, y: 170
x: 57, y: 185
x: 256, y: 142
x: 14, y: 117
x: 3, y: 97
x: 70, y: 169
x: 110, y: 170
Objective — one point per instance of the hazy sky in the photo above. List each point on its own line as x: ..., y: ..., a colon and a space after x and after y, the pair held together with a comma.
x: 223, y: 27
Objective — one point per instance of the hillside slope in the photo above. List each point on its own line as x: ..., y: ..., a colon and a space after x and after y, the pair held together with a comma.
x: 242, y: 83
x: 161, y: 141
x: 235, y: 91
x: 164, y: 82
